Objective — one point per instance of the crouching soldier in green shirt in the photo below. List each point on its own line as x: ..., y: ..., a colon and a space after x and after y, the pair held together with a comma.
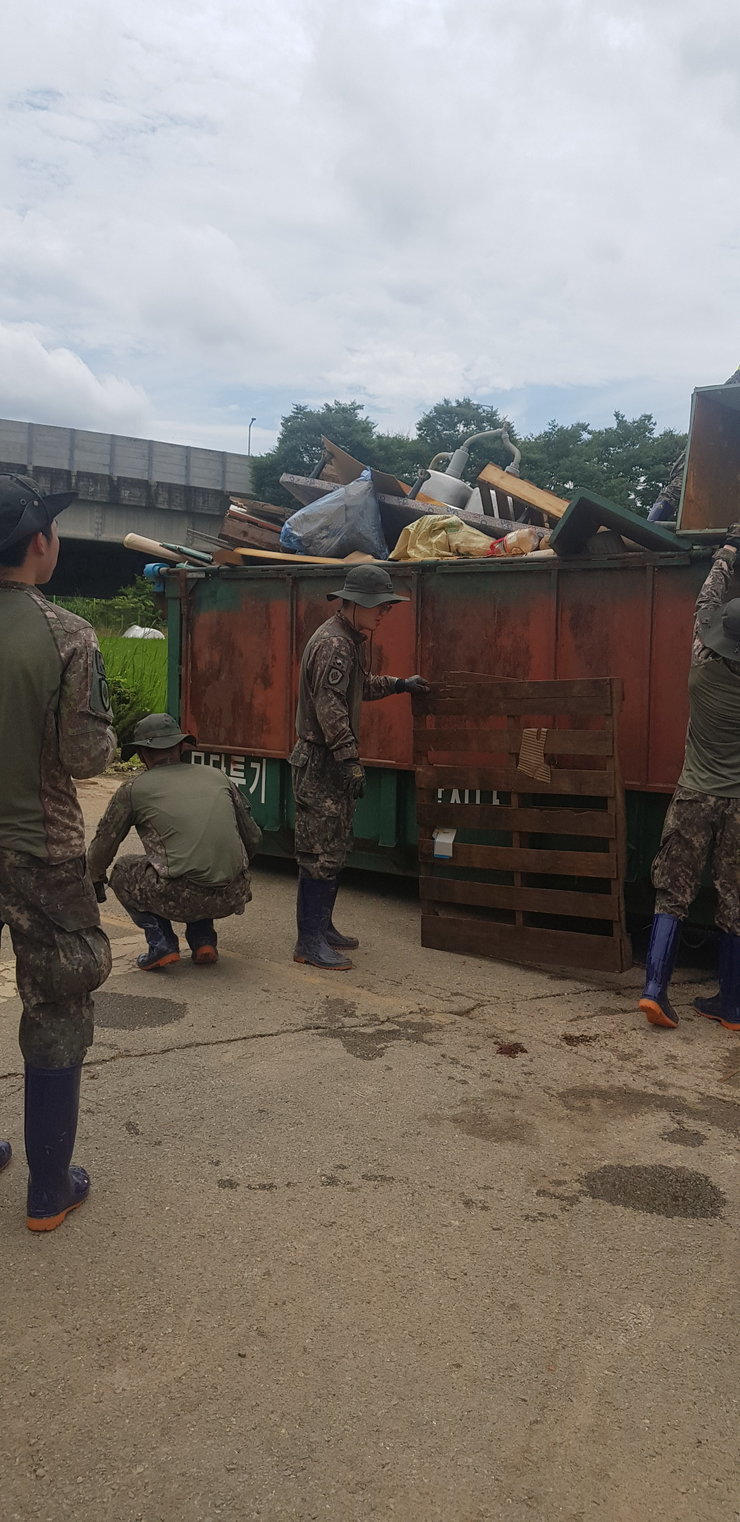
x: 198, y: 835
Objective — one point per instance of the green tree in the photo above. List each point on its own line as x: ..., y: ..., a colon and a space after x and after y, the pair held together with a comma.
x: 298, y: 448
x: 448, y: 424
x: 627, y: 462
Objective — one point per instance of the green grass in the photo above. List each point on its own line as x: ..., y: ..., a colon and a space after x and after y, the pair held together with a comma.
x: 141, y: 664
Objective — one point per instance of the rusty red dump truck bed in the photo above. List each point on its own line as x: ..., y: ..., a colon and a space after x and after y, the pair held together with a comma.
x: 236, y: 637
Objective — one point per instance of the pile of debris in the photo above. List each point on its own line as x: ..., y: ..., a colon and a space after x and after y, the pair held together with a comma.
x: 440, y: 517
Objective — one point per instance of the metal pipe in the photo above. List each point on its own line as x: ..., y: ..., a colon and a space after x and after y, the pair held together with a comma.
x: 461, y: 455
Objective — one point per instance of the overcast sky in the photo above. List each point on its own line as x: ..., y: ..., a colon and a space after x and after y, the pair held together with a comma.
x: 211, y: 210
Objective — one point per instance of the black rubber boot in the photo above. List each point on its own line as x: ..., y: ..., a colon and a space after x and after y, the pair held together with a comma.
x: 164, y: 947
x: 339, y: 942
x: 203, y: 941
x: 659, y: 964
x: 315, y: 899
x: 54, y: 1188
x: 714, y: 1008
x: 731, y: 989
x: 6, y: 1153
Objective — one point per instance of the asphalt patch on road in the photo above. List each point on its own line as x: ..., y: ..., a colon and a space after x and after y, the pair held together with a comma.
x: 656, y: 1189
x: 135, y: 1012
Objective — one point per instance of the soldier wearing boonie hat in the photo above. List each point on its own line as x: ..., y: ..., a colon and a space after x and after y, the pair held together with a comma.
x: 703, y: 819
x: 54, y: 725
x: 198, y: 836
x: 328, y: 778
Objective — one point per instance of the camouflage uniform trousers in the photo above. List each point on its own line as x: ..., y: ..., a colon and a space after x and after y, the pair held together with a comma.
x: 323, y: 812
x: 699, y: 827
x: 139, y: 888
x: 61, y: 954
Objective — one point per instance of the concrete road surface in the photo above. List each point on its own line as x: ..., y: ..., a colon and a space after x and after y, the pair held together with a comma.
x: 439, y: 1238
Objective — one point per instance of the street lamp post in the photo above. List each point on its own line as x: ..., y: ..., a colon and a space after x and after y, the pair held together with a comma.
x: 249, y: 438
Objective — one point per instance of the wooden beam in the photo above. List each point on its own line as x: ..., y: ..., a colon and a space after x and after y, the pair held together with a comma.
x: 524, y: 491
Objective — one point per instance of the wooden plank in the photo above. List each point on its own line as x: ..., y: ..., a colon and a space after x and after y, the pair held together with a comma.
x: 508, y: 943
x: 500, y: 779
x: 557, y: 696
x: 291, y: 559
x: 491, y: 816
x: 524, y: 491
x: 558, y: 742
x: 524, y: 859
x: 450, y: 890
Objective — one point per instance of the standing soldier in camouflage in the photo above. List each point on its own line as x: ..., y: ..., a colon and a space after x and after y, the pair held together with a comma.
x: 198, y: 835
x: 703, y: 819
x: 327, y: 775
x: 54, y: 724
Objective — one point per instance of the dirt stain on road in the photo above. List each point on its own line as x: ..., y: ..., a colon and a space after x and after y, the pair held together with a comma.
x: 656, y: 1190
x: 135, y: 1012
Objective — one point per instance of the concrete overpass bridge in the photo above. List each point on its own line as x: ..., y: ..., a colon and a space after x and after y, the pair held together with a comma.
x: 124, y: 486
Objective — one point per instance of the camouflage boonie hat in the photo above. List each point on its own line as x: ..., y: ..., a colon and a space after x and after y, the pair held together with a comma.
x: 719, y: 629
x: 158, y: 731
x: 368, y: 585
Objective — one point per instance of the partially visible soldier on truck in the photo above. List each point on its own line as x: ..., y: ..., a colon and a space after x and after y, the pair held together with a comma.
x: 54, y: 725
x: 198, y: 836
x: 327, y: 775
x: 703, y: 819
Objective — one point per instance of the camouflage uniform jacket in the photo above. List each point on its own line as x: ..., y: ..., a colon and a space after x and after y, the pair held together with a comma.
x: 712, y: 758
x: 333, y: 684
x: 713, y: 593
x: 54, y: 723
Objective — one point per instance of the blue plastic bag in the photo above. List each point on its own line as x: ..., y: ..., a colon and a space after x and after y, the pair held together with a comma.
x: 347, y: 519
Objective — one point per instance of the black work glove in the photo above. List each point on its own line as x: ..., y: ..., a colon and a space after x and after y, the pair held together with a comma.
x: 100, y: 893
x: 353, y: 779
x: 412, y: 684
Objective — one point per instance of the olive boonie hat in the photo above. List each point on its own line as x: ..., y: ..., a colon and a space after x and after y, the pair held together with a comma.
x: 720, y: 629
x: 158, y: 731
x: 25, y: 510
x: 368, y: 585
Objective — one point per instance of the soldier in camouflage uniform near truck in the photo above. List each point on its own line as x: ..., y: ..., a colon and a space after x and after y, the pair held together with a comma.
x: 703, y: 819
x: 198, y: 835
x: 327, y: 776
x: 54, y: 725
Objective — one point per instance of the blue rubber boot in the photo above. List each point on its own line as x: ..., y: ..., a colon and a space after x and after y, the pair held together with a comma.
x: 164, y: 947
x: 54, y: 1187
x: 659, y: 964
x: 203, y: 941
x: 731, y: 989
x: 315, y: 899
x: 714, y: 1008
x: 6, y: 1153
x: 333, y: 936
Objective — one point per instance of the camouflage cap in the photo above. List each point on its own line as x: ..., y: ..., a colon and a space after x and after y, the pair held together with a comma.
x: 368, y: 585
x: 25, y: 510
x: 158, y: 731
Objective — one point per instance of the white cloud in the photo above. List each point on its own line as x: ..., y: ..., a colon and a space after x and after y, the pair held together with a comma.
x: 292, y: 198
x: 53, y: 385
